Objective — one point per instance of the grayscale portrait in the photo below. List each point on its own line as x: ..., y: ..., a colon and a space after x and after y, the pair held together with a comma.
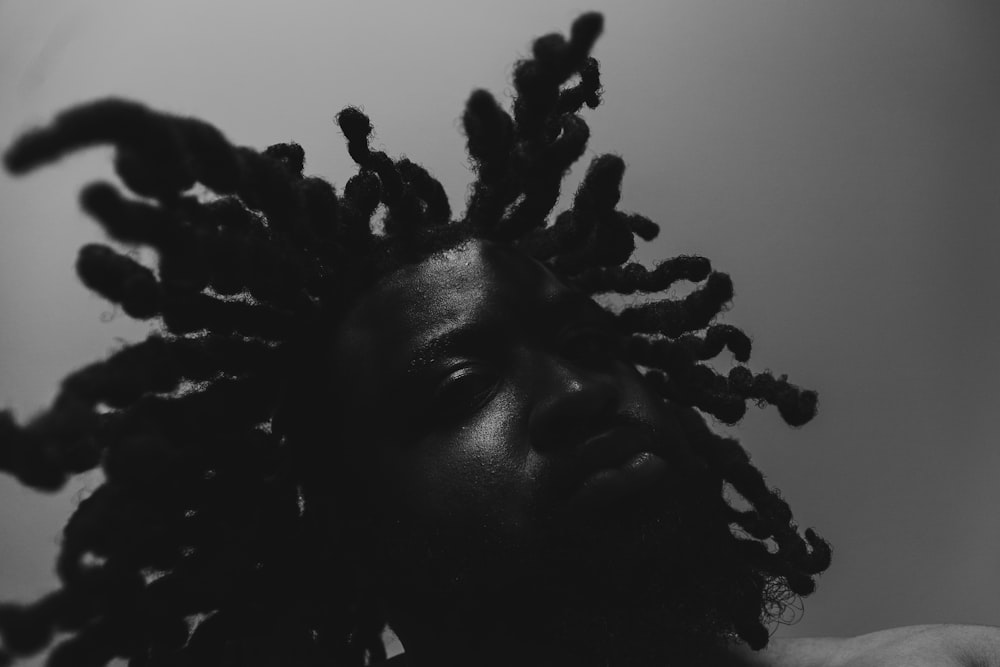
x: 455, y: 334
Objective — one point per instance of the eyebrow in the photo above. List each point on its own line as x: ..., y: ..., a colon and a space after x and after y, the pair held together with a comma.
x: 470, y: 334
x: 460, y: 337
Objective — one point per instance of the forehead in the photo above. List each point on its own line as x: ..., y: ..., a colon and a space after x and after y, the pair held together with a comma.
x: 478, y: 284
x: 475, y: 280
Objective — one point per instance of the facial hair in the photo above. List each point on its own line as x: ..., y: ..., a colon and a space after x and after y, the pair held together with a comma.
x: 655, y: 579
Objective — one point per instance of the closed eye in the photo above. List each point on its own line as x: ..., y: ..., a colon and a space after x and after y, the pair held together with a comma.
x: 463, y: 391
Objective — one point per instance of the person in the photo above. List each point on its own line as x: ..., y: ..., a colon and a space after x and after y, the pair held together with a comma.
x: 347, y: 422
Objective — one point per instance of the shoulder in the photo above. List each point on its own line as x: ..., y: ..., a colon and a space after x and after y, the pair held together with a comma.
x: 948, y: 645
x: 911, y: 646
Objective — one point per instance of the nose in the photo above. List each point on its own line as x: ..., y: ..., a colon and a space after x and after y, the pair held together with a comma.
x: 572, y: 403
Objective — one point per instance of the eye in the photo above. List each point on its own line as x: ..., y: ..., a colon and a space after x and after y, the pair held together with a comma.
x: 464, y: 390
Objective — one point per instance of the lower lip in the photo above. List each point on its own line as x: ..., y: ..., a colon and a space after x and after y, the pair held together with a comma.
x: 606, y: 486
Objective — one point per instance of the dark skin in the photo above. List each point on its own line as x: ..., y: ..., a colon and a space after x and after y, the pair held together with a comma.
x: 478, y: 381
x: 484, y: 443
x: 496, y: 371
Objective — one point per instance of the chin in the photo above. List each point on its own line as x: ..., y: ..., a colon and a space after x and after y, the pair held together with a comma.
x: 650, y: 580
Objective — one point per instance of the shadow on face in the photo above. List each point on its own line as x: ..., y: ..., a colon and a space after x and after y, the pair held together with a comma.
x: 476, y: 385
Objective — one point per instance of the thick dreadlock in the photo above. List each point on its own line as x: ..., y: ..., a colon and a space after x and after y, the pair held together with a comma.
x: 202, y: 526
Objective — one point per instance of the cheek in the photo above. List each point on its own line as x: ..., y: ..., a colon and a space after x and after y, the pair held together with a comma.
x: 475, y: 472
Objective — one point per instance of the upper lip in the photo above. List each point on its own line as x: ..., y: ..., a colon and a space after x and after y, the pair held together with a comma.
x: 613, y: 447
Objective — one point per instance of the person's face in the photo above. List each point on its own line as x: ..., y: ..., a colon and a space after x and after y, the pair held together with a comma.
x: 491, y: 409
x: 509, y: 462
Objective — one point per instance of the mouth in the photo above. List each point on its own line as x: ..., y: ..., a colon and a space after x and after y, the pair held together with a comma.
x: 607, y: 486
x: 617, y: 464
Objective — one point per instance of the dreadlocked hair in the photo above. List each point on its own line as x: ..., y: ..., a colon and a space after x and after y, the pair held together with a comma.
x: 202, y: 525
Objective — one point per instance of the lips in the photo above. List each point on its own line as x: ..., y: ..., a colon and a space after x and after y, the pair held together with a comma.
x: 615, y: 464
x: 613, y: 447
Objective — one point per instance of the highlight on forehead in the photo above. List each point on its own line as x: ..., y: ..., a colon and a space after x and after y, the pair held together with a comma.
x: 482, y: 314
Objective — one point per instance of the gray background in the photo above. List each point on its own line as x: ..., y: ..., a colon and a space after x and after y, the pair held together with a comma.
x: 840, y: 159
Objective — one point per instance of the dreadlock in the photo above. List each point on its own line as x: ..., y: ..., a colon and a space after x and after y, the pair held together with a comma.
x: 203, y: 524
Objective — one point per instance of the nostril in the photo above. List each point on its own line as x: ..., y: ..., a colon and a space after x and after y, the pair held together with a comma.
x: 574, y: 412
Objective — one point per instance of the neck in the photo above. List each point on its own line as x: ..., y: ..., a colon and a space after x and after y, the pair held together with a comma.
x: 557, y: 638
x: 796, y: 652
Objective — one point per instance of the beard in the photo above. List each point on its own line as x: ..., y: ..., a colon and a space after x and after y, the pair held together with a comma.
x: 653, y: 579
